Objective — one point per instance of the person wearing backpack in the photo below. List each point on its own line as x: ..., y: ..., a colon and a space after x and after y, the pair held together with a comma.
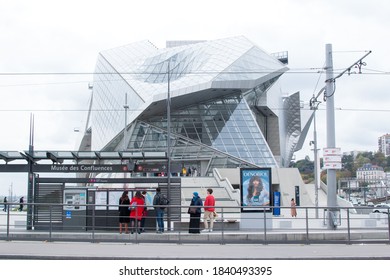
x: 159, y: 201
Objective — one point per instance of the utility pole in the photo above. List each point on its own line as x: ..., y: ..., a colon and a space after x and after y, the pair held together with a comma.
x: 31, y: 177
x: 331, y: 138
x: 329, y: 90
x: 169, y: 144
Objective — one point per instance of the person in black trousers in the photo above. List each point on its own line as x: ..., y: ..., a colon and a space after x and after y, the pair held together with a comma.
x: 5, y: 204
x: 21, y: 201
x: 124, y: 212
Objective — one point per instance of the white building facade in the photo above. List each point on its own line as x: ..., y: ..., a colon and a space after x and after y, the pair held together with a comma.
x: 227, y: 108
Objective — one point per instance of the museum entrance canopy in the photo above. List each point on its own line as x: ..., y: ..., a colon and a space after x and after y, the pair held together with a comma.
x: 60, y: 156
x: 85, y: 162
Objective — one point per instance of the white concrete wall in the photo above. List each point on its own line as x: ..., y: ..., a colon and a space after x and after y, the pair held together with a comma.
x: 288, y: 178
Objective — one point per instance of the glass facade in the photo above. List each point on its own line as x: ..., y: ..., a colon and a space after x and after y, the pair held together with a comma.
x: 225, y: 103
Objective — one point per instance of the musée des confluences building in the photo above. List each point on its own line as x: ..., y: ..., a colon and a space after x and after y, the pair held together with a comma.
x: 227, y: 109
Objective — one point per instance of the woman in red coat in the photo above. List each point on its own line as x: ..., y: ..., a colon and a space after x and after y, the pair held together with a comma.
x: 136, y: 211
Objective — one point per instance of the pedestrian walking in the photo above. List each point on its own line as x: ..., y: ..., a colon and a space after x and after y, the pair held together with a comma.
x: 21, y: 201
x: 5, y: 204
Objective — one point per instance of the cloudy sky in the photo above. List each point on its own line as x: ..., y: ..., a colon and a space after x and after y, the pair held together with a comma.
x: 48, y: 50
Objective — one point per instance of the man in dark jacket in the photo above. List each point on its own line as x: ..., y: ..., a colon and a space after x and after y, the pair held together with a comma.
x: 159, y: 211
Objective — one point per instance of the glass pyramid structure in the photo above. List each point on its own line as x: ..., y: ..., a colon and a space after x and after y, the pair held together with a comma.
x: 226, y: 106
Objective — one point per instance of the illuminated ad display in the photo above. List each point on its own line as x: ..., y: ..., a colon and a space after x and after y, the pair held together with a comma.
x: 255, y: 189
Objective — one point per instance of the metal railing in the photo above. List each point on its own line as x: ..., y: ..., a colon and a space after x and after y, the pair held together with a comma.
x: 230, y: 226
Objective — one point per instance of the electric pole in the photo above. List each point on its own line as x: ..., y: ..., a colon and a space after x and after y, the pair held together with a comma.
x: 331, y: 138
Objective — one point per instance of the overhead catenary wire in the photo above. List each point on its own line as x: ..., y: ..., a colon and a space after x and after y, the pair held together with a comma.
x: 134, y: 110
x: 374, y: 73
x: 290, y: 71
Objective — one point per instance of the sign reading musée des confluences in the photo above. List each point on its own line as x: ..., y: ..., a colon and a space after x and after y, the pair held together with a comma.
x: 87, y: 168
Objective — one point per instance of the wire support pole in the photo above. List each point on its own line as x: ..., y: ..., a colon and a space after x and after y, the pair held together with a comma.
x: 169, y: 144
x: 331, y: 138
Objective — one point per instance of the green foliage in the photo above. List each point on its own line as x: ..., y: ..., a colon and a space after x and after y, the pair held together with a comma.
x: 306, y: 169
x: 349, y: 165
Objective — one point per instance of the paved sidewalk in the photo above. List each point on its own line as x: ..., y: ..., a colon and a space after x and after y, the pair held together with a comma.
x: 127, y: 250
x: 112, y: 251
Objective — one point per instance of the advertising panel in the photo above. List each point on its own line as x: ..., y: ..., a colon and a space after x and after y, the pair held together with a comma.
x: 255, y: 189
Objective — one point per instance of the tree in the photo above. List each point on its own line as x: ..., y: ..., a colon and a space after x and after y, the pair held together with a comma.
x: 387, y: 168
x: 379, y: 159
x: 306, y: 169
x: 361, y: 160
x: 348, y: 163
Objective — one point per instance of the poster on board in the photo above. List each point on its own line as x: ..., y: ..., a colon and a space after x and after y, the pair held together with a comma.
x: 256, y: 189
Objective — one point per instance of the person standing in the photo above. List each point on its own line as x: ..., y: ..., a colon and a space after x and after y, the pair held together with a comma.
x: 159, y: 210
x: 21, y: 201
x: 124, y: 212
x: 209, y: 208
x: 144, y: 213
x: 293, y: 208
x: 137, y: 207
x: 5, y: 204
x: 195, y: 211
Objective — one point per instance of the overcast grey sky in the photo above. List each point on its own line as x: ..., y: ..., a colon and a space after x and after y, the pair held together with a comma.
x: 66, y: 37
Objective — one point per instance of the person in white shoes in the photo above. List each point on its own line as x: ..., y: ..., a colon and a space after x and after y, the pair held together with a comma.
x: 209, y: 208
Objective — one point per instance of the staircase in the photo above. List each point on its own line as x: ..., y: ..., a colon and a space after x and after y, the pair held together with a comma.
x: 223, y: 192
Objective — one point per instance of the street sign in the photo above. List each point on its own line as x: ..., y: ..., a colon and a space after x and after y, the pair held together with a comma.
x: 66, y: 168
x: 332, y: 151
x: 332, y: 165
x: 332, y: 158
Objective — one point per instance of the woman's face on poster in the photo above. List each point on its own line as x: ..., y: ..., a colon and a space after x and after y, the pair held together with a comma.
x: 256, y: 187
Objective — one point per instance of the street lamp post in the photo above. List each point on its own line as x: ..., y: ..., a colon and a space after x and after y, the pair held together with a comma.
x: 169, y: 143
x: 11, y: 193
x: 314, y: 106
x: 316, y: 167
x: 126, y: 107
x: 364, y: 189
